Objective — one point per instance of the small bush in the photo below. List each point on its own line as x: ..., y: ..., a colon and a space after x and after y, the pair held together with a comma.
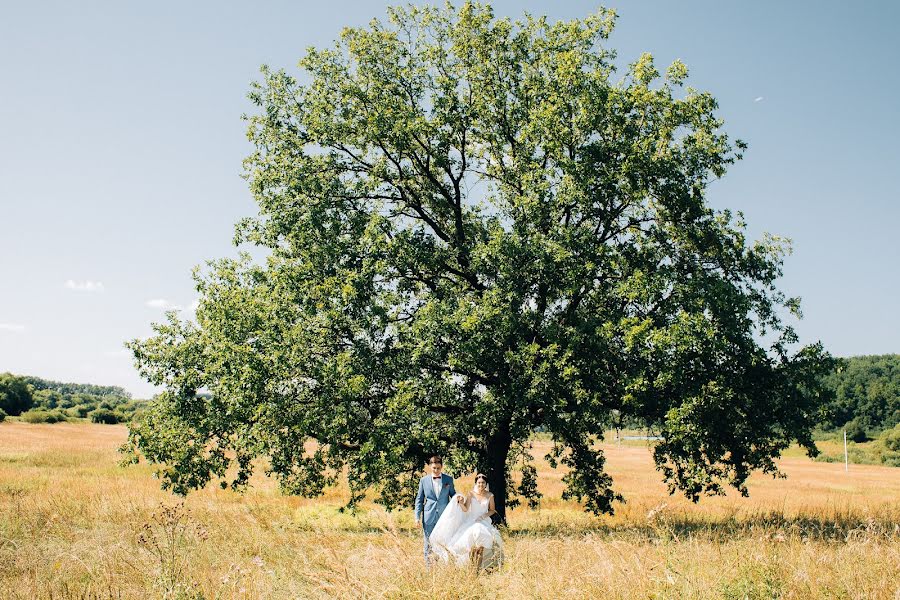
x: 2, y: 415
x: 104, y: 415
x: 890, y: 439
x: 888, y: 447
x: 44, y: 416
x: 856, y: 432
x: 828, y: 458
x: 82, y: 410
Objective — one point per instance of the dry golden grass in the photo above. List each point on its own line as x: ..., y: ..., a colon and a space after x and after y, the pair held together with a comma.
x: 73, y: 524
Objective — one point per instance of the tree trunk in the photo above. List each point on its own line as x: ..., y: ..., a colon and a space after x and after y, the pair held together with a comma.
x: 496, y: 470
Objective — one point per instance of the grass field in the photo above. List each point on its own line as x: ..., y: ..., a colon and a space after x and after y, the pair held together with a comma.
x: 73, y: 524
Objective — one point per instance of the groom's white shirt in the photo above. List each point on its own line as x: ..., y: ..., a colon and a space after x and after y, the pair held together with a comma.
x: 436, y: 484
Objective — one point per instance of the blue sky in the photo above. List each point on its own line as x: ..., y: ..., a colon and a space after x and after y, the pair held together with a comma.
x: 121, y: 148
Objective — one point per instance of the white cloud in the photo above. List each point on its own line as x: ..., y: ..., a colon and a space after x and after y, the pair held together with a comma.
x: 759, y: 98
x: 11, y: 327
x: 163, y: 304
x: 84, y: 286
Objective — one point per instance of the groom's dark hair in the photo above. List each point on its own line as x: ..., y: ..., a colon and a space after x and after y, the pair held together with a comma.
x: 435, y: 458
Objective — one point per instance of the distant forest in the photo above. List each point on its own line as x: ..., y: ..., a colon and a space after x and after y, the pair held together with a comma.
x: 866, y: 393
x: 38, y: 400
x: 866, y: 398
x: 75, y: 388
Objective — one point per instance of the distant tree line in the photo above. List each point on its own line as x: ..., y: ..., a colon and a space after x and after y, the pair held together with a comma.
x: 75, y: 388
x: 38, y: 400
x: 865, y: 398
x: 866, y: 395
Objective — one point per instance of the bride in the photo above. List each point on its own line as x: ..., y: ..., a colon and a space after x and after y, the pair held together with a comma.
x: 465, y: 532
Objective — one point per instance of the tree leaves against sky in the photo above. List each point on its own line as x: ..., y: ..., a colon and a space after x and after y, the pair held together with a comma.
x: 476, y: 228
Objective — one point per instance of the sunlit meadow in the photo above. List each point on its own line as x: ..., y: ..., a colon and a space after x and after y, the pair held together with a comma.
x: 75, y: 524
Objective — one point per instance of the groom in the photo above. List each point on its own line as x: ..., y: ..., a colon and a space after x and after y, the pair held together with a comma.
x: 435, y: 492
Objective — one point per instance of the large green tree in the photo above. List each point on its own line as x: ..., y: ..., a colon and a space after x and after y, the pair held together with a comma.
x: 475, y: 229
x: 16, y: 396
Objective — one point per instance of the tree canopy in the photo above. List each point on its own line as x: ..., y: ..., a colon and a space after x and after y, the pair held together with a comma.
x: 16, y: 396
x: 475, y: 229
x: 866, y: 391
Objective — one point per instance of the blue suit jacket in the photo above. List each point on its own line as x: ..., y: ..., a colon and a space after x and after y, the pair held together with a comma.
x: 428, y: 506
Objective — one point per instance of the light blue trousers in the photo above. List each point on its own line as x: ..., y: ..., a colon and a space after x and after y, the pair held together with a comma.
x: 426, y: 533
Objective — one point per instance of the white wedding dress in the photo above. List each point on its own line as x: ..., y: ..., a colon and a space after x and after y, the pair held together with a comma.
x: 458, y: 532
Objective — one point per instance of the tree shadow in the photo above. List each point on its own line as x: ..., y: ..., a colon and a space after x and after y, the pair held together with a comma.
x: 774, y: 526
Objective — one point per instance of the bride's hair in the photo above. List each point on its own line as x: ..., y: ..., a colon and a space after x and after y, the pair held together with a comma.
x: 483, y: 478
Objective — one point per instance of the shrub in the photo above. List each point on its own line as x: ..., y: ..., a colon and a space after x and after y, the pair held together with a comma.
x: 44, y: 416
x: 891, y: 439
x: 2, y: 415
x: 856, y: 432
x: 104, y: 415
x: 82, y: 410
x: 888, y: 447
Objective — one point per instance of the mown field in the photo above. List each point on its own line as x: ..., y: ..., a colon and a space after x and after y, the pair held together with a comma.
x: 74, y: 524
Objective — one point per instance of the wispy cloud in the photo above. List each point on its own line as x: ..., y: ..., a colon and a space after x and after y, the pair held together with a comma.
x: 759, y: 98
x: 84, y: 286
x: 11, y: 327
x: 163, y: 304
